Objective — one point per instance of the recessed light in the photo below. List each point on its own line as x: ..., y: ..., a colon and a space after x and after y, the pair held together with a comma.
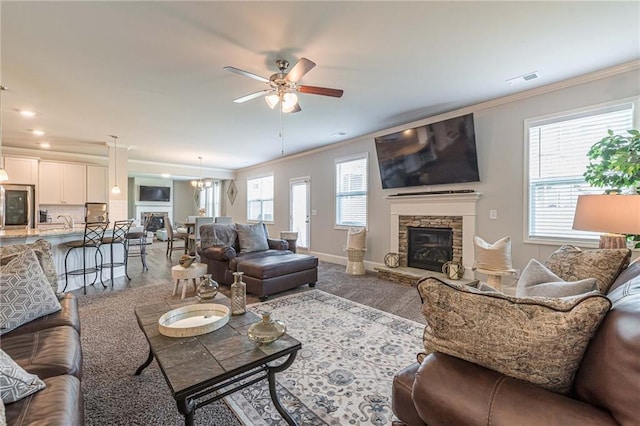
x: 524, y: 78
x: 166, y: 175
x: 38, y: 132
x: 338, y: 134
x: 45, y: 145
x: 27, y: 113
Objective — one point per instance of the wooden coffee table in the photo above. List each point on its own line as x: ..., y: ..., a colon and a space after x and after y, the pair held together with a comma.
x: 197, y: 368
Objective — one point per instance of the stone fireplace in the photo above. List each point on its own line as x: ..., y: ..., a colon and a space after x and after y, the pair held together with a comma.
x: 428, y: 247
x: 444, y: 213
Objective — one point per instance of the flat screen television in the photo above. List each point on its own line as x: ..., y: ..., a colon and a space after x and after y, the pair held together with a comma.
x: 437, y: 153
x: 155, y: 193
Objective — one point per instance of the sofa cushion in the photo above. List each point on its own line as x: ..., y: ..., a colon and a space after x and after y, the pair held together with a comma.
x: 609, y: 375
x: 492, y: 257
x: 43, y: 251
x: 60, y: 403
x: 572, y: 264
x: 536, y: 280
x: 47, y: 353
x: 15, y: 382
x: 519, y: 337
x: 252, y: 238
x: 233, y: 263
x: 25, y: 293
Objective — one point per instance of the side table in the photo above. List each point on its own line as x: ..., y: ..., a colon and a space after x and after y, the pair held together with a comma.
x: 195, y: 270
x: 291, y: 237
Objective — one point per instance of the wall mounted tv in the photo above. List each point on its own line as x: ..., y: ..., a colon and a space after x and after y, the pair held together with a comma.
x: 437, y: 153
x: 155, y: 193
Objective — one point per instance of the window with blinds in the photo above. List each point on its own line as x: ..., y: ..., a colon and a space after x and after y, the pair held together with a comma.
x: 351, y: 191
x: 260, y: 199
x: 558, y: 149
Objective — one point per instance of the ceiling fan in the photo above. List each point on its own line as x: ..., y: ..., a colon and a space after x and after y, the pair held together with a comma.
x: 283, y: 86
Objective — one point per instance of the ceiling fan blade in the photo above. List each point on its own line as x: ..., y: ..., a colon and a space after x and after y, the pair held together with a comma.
x: 324, y: 91
x: 301, y: 67
x: 251, y: 96
x: 247, y: 74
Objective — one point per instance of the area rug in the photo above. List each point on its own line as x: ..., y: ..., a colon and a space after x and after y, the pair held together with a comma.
x: 344, y: 372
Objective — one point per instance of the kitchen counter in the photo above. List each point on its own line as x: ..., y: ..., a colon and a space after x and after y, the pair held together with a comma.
x: 7, y: 236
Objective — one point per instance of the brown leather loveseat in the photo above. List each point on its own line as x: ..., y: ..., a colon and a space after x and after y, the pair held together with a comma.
x: 446, y: 390
x: 268, y: 265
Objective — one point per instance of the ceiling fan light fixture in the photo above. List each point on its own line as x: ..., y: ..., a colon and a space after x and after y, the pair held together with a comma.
x: 289, y: 101
x: 272, y: 100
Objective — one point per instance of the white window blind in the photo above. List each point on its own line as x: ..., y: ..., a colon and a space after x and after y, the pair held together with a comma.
x: 351, y: 191
x: 558, y: 149
x: 260, y: 198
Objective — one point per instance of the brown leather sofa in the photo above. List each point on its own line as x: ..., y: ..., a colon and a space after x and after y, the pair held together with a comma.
x: 266, y: 272
x: 445, y: 390
x: 50, y: 348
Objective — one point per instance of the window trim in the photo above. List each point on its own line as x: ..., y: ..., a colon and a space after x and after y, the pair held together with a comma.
x: 260, y: 176
x: 344, y: 159
x: 549, y: 119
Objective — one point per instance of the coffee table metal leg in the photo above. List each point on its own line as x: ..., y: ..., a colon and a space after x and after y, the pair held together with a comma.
x: 146, y: 364
x: 272, y: 388
x: 187, y: 408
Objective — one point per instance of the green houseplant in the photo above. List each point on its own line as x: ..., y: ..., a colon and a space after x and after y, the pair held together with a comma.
x: 615, y: 165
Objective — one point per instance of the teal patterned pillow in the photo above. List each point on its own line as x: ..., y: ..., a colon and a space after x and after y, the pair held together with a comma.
x: 25, y: 293
x: 15, y: 383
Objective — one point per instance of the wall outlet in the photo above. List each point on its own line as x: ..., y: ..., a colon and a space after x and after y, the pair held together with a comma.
x: 314, y: 212
x: 493, y: 214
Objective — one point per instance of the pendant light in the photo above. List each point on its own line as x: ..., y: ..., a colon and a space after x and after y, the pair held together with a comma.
x: 200, y: 184
x: 116, y: 188
x: 3, y: 173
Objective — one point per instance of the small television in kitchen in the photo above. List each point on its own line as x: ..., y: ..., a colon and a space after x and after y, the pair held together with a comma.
x: 155, y: 193
x: 437, y: 153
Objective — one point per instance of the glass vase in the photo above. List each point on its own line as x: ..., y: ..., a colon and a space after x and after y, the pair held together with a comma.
x: 266, y: 330
x: 207, y: 289
x: 238, y: 295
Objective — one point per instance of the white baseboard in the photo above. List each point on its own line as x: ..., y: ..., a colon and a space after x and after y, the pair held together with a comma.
x: 342, y: 260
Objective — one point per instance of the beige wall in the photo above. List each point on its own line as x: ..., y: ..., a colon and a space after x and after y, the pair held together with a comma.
x: 500, y: 141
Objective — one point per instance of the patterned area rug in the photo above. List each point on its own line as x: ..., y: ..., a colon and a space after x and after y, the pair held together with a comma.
x: 344, y: 372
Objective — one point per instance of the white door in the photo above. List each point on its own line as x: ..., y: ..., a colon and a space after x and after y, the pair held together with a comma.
x: 299, y: 210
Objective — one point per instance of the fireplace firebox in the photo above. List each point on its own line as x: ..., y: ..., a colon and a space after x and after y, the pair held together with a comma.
x: 153, y: 221
x: 429, y: 248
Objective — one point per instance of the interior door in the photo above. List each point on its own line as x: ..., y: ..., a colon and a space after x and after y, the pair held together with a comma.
x: 299, y: 209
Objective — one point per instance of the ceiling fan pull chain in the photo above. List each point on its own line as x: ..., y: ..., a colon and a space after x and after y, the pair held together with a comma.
x: 281, y: 134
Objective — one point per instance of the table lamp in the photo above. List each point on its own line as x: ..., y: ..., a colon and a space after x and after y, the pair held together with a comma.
x: 615, y: 215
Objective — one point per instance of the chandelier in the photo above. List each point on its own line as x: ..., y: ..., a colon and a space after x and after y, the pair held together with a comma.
x: 200, y: 184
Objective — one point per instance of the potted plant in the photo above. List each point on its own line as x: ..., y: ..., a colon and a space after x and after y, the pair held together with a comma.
x: 615, y: 165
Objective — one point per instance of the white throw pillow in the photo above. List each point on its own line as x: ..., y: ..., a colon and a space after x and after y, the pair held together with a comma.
x: 538, y: 280
x: 15, y: 383
x: 356, y: 238
x: 25, y: 293
x: 493, y: 257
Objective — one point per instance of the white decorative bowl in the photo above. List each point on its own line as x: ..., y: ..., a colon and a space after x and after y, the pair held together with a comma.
x: 193, y: 320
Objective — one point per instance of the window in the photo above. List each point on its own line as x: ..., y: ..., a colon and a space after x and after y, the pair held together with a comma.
x: 260, y: 199
x: 557, y: 151
x: 351, y: 191
x: 209, y: 199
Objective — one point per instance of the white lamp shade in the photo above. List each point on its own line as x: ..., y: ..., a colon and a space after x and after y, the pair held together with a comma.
x: 115, y: 189
x: 272, y: 100
x: 289, y: 101
x: 615, y: 214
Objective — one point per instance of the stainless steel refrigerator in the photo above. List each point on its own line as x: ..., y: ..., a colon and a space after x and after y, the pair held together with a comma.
x: 17, y: 206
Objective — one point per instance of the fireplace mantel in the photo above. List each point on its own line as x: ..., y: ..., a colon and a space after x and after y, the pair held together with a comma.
x: 463, y: 205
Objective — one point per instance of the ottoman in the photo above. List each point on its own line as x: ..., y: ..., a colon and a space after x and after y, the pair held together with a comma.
x: 272, y: 274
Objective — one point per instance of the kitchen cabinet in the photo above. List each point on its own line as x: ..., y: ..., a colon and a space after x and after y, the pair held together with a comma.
x: 97, y: 184
x: 62, y: 183
x: 22, y: 171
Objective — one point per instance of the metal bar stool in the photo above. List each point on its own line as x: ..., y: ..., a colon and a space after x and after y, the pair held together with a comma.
x: 93, y: 234
x: 120, y: 231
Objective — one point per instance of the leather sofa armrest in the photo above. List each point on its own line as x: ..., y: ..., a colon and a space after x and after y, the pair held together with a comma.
x: 448, y: 390
x: 277, y: 244
x: 223, y: 253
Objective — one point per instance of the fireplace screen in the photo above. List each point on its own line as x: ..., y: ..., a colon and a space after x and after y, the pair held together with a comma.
x: 429, y: 248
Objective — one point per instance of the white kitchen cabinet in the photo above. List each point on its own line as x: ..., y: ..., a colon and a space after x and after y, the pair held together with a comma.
x: 62, y: 183
x: 97, y: 184
x: 22, y: 171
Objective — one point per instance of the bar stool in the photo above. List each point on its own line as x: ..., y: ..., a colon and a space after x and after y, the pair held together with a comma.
x: 93, y: 234
x: 120, y: 231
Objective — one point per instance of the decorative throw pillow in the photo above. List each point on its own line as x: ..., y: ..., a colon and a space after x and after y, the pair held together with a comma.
x: 25, y: 293
x: 45, y: 257
x: 3, y: 418
x: 572, y: 264
x: 15, y: 383
x: 536, y: 280
x: 356, y: 238
x: 538, y: 340
x: 218, y: 235
x: 493, y: 257
x: 252, y: 238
